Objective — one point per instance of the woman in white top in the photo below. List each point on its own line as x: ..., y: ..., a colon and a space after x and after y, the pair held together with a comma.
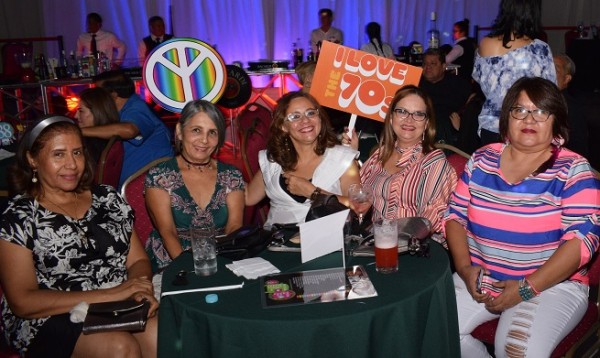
x: 375, y: 45
x: 302, y: 159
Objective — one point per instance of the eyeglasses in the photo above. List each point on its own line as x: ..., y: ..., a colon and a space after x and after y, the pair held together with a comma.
x: 402, y: 113
x: 296, y: 116
x: 538, y: 115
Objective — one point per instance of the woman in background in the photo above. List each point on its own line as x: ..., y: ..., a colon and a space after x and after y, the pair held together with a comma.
x: 193, y: 188
x: 463, y: 51
x: 375, y: 45
x: 510, y: 51
x: 96, y: 107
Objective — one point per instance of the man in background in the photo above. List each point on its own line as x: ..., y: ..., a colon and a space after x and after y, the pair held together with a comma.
x: 326, y: 32
x: 158, y: 35
x: 145, y: 137
x: 96, y: 41
x: 578, y: 130
x: 449, y: 94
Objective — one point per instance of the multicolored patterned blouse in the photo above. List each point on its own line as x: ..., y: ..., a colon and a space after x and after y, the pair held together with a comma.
x: 186, y: 212
x: 496, y: 74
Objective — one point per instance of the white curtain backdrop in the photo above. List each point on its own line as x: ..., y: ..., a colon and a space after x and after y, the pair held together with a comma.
x: 248, y: 30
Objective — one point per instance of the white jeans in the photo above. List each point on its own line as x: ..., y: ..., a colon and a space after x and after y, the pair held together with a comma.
x: 529, y: 329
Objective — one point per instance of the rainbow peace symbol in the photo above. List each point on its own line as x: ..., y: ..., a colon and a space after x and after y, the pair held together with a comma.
x: 184, y: 69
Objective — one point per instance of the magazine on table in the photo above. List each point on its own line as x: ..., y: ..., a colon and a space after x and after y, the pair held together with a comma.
x: 316, y: 286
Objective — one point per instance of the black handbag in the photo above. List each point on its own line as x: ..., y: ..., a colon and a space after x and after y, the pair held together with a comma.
x: 327, y: 204
x: 323, y: 205
x: 245, y: 242
x: 127, y: 315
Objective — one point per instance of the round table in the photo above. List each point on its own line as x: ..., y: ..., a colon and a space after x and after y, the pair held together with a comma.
x: 414, y: 314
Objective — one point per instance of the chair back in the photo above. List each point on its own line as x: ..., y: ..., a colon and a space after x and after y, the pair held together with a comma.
x: 456, y: 157
x: 254, y: 122
x: 110, y: 164
x: 133, y: 192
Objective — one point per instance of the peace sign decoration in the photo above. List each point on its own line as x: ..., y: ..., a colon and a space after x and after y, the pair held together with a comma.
x: 184, y: 69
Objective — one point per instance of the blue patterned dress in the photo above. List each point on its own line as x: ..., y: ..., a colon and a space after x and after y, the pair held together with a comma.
x: 186, y: 212
x: 496, y: 74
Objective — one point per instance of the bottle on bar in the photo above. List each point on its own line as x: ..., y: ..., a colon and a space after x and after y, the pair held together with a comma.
x: 43, y: 68
x: 433, y: 35
x: 73, y: 65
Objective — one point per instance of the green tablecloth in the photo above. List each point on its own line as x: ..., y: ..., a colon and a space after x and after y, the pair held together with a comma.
x: 414, y: 314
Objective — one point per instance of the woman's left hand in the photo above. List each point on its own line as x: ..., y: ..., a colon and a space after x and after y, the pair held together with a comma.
x: 507, y: 299
x: 299, y: 186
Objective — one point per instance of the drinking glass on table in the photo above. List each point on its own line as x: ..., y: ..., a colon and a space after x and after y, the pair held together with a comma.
x: 361, y: 199
x: 386, y: 245
x: 204, y: 249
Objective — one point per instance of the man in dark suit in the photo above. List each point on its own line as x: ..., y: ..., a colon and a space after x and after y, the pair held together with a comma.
x: 449, y: 94
x: 158, y: 34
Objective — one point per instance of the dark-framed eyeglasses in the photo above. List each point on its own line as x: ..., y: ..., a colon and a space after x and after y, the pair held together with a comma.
x: 402, y: 113
x: 538, y: 115
x: 296, y: 116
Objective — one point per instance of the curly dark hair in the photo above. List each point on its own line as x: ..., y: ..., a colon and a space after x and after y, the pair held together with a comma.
x: 545, y: 95
x: 517, y: 18
x: 21, y: 173
x: 280, y: 148
x: 388, y: 141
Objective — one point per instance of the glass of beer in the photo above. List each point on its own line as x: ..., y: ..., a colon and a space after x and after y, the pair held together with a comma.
x: 386, y: 245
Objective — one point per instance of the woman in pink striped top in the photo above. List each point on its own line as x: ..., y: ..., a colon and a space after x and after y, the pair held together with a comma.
x: 408, y: 176
x: 524, y: 215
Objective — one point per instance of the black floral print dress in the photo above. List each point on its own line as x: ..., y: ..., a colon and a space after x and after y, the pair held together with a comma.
x: 68, y: 254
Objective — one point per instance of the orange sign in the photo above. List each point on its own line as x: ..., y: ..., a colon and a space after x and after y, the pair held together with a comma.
x: 359, y: 82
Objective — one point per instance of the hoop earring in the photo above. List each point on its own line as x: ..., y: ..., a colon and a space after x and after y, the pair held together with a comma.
x: 34, y: 178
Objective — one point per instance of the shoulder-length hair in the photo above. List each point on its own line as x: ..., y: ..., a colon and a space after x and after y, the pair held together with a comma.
x: 21, y: 173
x: 517, y: 18
x: 388, y: 141
x: 202, y: 106
x: 280, y: 148
x: 545, y: 95
x: 101, y: 104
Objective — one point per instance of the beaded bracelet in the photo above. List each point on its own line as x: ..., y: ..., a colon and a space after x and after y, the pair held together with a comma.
x: 537, y: 293
x: 525, y: 290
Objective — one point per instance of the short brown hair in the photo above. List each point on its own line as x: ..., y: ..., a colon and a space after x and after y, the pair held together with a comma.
x: 545, y: 95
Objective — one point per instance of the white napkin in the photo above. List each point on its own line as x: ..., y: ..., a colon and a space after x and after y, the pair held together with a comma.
x: 252, y: 268
x: 79, y: 312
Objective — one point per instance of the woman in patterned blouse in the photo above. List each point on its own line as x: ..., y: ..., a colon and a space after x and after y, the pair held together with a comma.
x: 408, y: 176
x: 510, y: 51
x: 192, y: 189
x: 64, y: 241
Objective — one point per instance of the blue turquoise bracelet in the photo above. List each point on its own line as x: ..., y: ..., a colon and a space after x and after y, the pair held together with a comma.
x: 525, y: 290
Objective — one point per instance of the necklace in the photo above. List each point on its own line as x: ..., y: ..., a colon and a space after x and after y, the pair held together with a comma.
x: 75, y: 221
x: 406, y: 161
x: 197, y: 165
